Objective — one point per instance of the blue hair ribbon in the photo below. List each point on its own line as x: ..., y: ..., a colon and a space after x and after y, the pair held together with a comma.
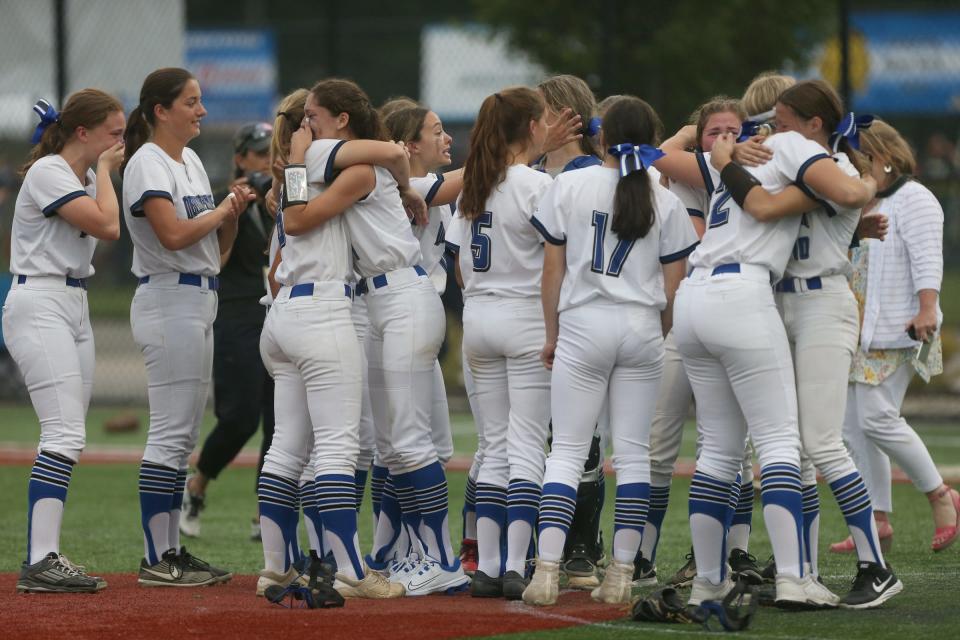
x: 48, y: 116
x: 748, y: 129
x: 635, y: 157
x: 593, y: 126
x: 849, y: 128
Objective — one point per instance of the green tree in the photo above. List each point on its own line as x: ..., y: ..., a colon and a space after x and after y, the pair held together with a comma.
x: 673, y: 53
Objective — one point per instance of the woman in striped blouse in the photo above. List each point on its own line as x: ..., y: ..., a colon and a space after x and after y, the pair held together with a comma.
x: 897, y: 285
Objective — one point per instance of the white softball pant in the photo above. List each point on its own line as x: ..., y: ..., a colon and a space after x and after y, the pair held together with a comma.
x: 606, y: 354
x: 823, y: 326
x: 46, y: 326
x: 407, y: 324
x: 502, y: 340
x: 173, y: 326
x: 310, y: 347
x: 368, y: 445
x: 735, y: 350
x: 875, y: 432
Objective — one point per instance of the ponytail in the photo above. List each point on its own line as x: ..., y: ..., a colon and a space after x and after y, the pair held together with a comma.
x: 135, y: 136
x: 816, y: 98
x: 86, y: 108
x: 159, y: 88
x: 504, y: 119
x: 289, y: 117
x: 631, y: 126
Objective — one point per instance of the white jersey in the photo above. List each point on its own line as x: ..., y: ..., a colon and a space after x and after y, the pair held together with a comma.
x: 431, y: 236
x: 506, y: 251
x: 151, y: 173
x: 322, y: 254
x: 379, y: 230
x: 42, y: 243
x: 695, y: 199
x: 822, y: 248
x: 733, y: 236
x: 578, y: 211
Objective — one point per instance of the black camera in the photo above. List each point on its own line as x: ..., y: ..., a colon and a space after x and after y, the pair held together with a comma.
x: 260, y: 182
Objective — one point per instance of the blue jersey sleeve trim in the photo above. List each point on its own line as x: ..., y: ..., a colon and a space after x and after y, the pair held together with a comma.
x: 136, y: 209
x: 546, y: 234
x: 679, y: 255
x: 695, y: 213
x: 329, y: 173
x: 433, y: 190
x: 452, y: 249
x: 704, y: 171
x: 807, y: 190
x: 581, y: 162
x: 51, y: 209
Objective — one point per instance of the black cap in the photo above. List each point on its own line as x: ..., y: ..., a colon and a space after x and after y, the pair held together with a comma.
x: 254, y: 136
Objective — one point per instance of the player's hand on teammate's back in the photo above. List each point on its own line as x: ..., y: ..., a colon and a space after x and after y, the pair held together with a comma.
x: 751, y: 153
x: 566, y: 128
x: 415, y: 206
x: 112, y: 157
x: 873, y: 225
x: 547, y: 353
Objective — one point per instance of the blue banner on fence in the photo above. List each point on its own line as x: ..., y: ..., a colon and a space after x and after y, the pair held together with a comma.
x: 902, y: 61
x: 237, y: 71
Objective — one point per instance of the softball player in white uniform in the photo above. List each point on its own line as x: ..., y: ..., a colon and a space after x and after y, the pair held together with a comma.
x: 735, y: 350
x: 822, y: 324
x: 178, y: 236
x: 406, y: 317
x: 503, y: 329
x: 604, y: 326
x: 673, y: 404
x: 62, y: 209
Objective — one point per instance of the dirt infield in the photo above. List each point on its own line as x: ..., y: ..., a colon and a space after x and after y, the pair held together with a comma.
x: 125, y: 610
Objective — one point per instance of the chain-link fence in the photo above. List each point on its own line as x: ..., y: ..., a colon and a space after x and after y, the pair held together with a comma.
x: 904, y: 65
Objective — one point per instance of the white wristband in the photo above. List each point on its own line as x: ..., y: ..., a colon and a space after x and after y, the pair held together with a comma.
x: 295, y: 184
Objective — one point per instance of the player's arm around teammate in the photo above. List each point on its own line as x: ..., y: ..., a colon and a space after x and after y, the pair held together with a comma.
x: 62, y: 209
x: 178, y: 235
x: 615, y: 255
x: 406, y: 315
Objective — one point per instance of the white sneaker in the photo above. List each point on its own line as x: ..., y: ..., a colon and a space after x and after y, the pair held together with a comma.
x: 373, y: 586
x: 703, y: 589
x: 270, y: 578
x: 429, y: 577
x: 804, y: 593
x: 617, y: 585
x: 400, y: 569
x: 544, y: 587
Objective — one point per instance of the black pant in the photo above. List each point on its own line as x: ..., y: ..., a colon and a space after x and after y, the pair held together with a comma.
x: 243, y: 391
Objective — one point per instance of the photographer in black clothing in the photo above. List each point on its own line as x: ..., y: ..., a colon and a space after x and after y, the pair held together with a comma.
x: 243, y: 392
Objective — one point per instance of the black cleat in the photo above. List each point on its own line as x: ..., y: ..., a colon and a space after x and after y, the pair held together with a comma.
x: 513, y: 585
x: 873, y: 586
x: 744, y: 567
x: 644, y: 572
x: 55, y: 574
x: 684, y: 576
x: 483, y: 586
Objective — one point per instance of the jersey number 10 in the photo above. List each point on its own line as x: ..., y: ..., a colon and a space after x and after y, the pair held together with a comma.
x: 620, y: 252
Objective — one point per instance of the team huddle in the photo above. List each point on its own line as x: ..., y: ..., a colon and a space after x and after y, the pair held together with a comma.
x: 608, y: 278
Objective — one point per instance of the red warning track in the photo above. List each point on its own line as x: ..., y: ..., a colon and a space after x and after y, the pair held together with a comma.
x: 125, y: 610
